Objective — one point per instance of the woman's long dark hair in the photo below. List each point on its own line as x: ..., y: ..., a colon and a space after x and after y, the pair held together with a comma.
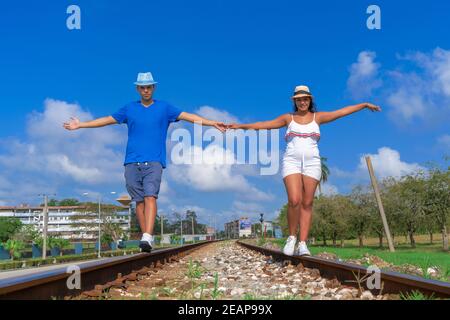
x: 312, y: 106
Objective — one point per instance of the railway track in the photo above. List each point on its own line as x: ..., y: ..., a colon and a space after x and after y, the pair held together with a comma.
x: 356, y: 275
x: 218, y: 270
x: 96, y: 276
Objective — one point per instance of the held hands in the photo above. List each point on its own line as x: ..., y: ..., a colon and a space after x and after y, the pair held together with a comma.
x: 220, y: 126
x: 223, y: 127
x: 73, y: 124
x: 372, y: 107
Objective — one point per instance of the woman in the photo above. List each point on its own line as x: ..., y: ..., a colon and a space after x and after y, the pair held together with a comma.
x: 301, y: 166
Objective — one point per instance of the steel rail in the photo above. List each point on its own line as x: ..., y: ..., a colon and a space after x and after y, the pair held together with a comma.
x: 349, y: 273
x: 52, y: 284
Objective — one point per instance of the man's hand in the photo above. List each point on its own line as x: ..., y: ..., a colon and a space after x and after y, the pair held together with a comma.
x: 372, y: 107
x: 73, y: 124
x: 220, y: 126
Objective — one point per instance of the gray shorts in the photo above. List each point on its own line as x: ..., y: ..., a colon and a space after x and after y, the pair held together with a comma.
x: 143, y: 179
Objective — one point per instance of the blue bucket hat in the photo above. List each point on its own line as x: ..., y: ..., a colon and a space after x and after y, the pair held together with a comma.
x: 145, y: 79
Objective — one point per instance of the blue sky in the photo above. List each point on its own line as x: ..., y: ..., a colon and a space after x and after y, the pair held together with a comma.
x: 242, y: 59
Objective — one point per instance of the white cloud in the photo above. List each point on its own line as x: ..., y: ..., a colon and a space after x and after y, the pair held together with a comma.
x: 328, y: 189
x: 247, y: 207
x: 215, y: 174
x: 363, y: 77
x: 51, y: 158
x: 437, y: 68
x: 216, y: 114
x: 165, y: 192
x: 85, y: 155
x: 339, y: 173
x: 387, y: 163
x: 417, y: 89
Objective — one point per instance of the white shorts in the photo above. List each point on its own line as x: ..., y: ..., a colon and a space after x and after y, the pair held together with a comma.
x: 309, y: 167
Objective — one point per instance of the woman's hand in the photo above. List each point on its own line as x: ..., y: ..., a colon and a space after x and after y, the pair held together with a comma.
x: 234, y: 126
x: 220, y: 126
x: 372, y: 107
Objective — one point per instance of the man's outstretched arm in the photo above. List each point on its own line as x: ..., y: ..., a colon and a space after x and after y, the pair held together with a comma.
x: 75, y: 123
x: 191, y: 117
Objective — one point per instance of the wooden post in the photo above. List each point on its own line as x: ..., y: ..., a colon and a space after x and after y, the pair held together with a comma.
x: 380, y: 204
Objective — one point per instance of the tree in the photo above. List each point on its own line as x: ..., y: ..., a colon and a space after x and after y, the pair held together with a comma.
x: 52, y: 203
x: 14, y: 247
x: 336, y: 218
x: 198, y: 227
x: 281, y: 220
x: 9, y: 227
x: 410, y: 204
x: 325, y: 173
x: 437, y: 203
x: 28, y: 233
x: 319, y: 227
x: 359, y: 219
x: 111, y: 232
x: 329, y: 220
x: 58, y: 242
x: 69, y: 202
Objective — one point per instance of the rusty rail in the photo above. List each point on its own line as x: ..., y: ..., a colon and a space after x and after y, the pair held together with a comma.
x: 348, y: 273
x: 52, y: 284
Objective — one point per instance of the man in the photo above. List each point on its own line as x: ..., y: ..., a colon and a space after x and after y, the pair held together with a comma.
x: 147, y: 121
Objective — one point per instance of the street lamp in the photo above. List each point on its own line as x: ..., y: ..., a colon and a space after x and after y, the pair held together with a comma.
x: 99, y: 221
x: 262, y: 224
x: 126, y: 201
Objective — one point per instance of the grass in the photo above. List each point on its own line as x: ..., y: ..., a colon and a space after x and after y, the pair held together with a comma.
x: 425, y: 255
x: 416, y: 295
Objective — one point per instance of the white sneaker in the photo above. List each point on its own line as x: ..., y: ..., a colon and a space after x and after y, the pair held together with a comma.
x: 303, y: 249
x: 289, y: 248
x: 146, y: 243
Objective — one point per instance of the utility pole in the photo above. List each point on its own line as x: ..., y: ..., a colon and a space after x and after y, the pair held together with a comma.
x: 45, y: 222
x: 162, y: 226
x: 380, y: 204
x: 181, y: 231
x: 192, y: 219
x: 44, y: 242
x: 99, y: 227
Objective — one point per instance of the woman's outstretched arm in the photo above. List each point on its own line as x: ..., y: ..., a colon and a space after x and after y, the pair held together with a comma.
x: 324, y: 117
x: 279, y: 122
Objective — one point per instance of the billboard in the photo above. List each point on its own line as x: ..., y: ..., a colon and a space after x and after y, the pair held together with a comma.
x: 245, y: 224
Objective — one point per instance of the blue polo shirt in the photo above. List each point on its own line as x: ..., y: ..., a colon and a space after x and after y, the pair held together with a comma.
x: 147, y: 130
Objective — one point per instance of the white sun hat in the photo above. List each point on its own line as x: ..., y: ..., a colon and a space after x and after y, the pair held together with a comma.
x: 145, y: 79
x: 301, y: 91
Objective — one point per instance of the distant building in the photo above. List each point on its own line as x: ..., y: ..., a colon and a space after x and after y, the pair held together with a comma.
x: 210, y: 230
x: 238, y: 228
x: 70, y: 222
x: 266, y: 225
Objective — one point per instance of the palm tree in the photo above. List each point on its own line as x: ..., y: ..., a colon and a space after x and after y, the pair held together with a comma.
x: 14, y: 247
x: 325, y: 173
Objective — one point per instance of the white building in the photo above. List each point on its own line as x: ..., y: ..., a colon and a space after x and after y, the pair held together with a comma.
x: 70, y: 222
